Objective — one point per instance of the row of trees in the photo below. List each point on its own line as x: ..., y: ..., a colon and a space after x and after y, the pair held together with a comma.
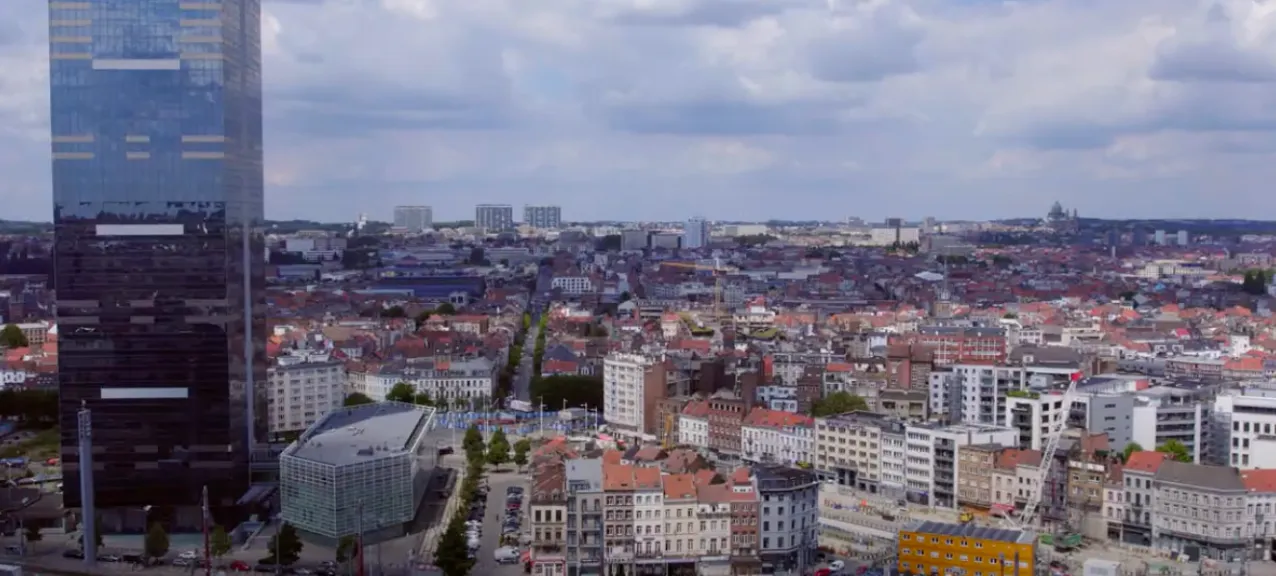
x: 569, y: 390
x: 29, y: 407
x: 505, y: 381
x: 538, y: 353
x: 285, y: 548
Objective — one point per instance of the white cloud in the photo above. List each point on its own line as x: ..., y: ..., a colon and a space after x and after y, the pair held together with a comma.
x: 737, y: 108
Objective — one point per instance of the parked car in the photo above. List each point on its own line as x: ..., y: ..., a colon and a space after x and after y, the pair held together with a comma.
x: 240, y: 566
x: 837, y: 565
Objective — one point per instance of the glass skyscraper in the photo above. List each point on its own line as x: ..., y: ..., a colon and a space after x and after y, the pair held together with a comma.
x: 159, y: 262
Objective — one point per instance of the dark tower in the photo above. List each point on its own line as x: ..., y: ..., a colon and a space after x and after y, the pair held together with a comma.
x: 157, y: 191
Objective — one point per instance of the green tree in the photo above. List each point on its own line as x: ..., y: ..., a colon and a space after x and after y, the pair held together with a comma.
x: 401, y: 392
x: 473, y: 439
x: 1130, y: 449
x: 33, y: 531
x: 423, y: 399
x: 520, y: 453
x: 838, y: 403
x: 219, y: 543
x: 286, y: 546
x: 446, y: 309
x: 357, y: 399
x: 1175, y: 450
x: 626, y: 296
x: 527, y: 321
x: 523, y: 444
x: 452, y: 555
x: 156, y: 543
x: 394, y: 312
x: 12, y: 337
x: 345, y: 549
x: 498, y: 448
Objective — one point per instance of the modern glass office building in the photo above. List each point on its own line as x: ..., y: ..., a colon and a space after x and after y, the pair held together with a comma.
x: 159, y: 266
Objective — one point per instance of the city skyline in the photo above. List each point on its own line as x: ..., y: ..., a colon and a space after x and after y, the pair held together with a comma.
x: 976, y: 109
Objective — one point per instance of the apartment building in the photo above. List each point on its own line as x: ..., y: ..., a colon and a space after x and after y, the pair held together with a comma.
x: 632, y: 387
x: 848, y: 449
x: 930, y: 470
x: 1138, y: 477
x: 543, y: 217
x: 493, y: 217
x: 1198, y: 508
x: 789, y: 498
x: 413, y: 218
x: 771, y: 436
x: 744, y: 525
x: 1181, y: 412
x: 693, y: 424
x: 649, y: 512
x: 547, y: 507
x: 1244, y: 423
x: 1015, y: 479
x: 1088, y: 462
x: 975, y: 465
x: 893, y: 465
x: 681, y: 521
x: 957, y: 345
x: 618, y: 519
x: 301, y: 389
x: 1035, y: 416
x: 713, y: 512
x: 726, y: 417
x: 584, y: 478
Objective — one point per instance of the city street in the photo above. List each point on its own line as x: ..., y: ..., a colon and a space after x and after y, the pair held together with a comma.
x: 486, y: 564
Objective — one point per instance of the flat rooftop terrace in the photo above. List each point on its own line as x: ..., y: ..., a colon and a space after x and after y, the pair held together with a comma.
x: 363, y: 433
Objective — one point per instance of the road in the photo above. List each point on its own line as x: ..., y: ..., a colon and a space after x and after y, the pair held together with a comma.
x: 485, y: 562
x: 523, y: 378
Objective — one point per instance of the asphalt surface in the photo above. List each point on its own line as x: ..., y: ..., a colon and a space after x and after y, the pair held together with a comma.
x: 485, y: 561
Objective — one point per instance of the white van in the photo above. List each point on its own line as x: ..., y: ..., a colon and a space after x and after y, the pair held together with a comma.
x: 506, y: 555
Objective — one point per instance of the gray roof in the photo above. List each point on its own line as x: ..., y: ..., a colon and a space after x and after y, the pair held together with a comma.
x: 1214, y: 478
x: 356, y: 434
x: 584, y: 474
x: 971, y: 531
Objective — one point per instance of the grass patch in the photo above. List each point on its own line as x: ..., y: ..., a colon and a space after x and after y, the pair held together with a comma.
x: 43, y: 445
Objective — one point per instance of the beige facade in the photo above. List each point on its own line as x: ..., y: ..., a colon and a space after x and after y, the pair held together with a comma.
x: 975, y: 467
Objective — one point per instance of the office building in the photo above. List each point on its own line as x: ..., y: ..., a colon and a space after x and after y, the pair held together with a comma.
x: 156, y: 116
x: 358, y: 470
x: 413, y: 218
x: 544, y: 217
x: 494, y: 217
x: 1159, y: 236
x: 695, y: 233
x: 940, y: 548
x: 1182, y: 238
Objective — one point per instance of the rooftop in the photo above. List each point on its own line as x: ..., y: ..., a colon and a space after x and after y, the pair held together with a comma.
x: 357, y: 434
x: 970, y: 531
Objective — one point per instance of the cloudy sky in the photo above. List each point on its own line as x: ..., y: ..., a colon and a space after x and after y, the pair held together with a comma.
x: 737, y: 109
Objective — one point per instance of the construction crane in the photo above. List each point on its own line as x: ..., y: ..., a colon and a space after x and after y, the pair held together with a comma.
x: 1028, y: 517
x: 718, y: 271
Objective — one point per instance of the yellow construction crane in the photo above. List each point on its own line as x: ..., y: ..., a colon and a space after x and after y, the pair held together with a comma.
x: 718, y: 272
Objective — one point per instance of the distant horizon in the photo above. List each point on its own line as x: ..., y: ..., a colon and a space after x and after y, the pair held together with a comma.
x: 567, y: 222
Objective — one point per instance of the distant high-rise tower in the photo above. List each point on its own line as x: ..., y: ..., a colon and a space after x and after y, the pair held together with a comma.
x: 1160, y: 238
x: 543, y: 217
x: 1183, y: 238
x: 695, y: 233
x: 156, y: 120
x: 413, y: 218
x: 494, y: 217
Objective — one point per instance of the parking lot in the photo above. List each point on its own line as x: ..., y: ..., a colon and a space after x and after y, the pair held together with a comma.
x: 494, y: 521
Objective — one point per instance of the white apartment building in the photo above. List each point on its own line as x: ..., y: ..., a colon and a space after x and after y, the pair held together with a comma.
x: 693, y: 424
x: 714, y: 544
x: 624, y: 391
x: 1245, y: 420
x: 575, y: 285
x: 984, y: 388
x: 777, y: 437
x: 681, y: 530
x: 649, y: 521
x: 894, y: 477
x: 1034, y: 415
x: 301, y: 389
x: 848, y: 450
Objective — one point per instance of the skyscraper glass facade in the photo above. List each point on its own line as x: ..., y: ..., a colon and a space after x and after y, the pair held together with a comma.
x: 159, y: 262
